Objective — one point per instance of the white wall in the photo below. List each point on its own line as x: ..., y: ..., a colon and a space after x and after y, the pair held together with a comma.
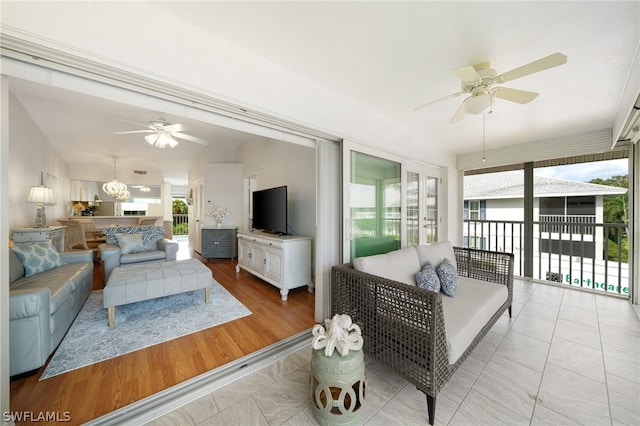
x: 223, y: 187
x: 277, y: 163
x: 505, y: 209
x: 30, y: 154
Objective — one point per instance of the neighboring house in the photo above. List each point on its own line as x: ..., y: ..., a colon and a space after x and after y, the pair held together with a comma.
x: 560, y: 206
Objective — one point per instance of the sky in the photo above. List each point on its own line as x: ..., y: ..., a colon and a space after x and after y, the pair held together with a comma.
x: 586, y: 171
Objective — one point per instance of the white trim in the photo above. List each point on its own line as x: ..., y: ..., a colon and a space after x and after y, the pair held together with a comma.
x: 328, y: 224
x: 628, y: 99
x: 4, y: 249
x: 544, y: 149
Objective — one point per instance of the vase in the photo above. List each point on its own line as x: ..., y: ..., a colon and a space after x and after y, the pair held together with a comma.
x: 219, y: 224
x: 337, y: 387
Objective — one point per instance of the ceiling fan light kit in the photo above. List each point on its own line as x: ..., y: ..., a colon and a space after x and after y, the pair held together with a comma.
x: 161, y: 140
x: 479, y: 81
x: 477, y: 103
x: 162, y: 134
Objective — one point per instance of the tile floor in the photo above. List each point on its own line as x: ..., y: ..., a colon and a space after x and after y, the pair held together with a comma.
x: 566, y: 357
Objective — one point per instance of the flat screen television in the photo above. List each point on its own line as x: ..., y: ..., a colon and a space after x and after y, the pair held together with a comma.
x: 270, y: 210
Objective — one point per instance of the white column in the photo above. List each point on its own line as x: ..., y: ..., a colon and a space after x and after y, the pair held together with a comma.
x: 167, y: 202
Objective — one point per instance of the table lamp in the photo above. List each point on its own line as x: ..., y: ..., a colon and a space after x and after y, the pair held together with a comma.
x: 41, y: 195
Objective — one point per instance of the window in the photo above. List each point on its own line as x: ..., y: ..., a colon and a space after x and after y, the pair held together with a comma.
x: 474, y: 210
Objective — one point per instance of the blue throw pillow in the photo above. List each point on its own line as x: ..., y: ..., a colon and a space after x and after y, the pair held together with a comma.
x: 448, y: 277
x: 428, y: 278
x: 130, y: 243
x: 37, y: 257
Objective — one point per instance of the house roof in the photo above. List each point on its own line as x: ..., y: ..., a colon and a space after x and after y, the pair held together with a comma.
x: 511, y: 185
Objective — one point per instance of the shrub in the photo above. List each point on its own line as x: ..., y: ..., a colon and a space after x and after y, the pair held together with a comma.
x: 613, y: 251
x: 181, y: 229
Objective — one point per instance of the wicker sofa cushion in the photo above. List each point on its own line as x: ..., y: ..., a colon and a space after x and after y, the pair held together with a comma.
x: 436, y: 253
x: 398, y: 265
x: 465, y: 315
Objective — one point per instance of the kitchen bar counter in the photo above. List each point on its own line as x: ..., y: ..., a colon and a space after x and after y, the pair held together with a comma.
x: 102, y: 222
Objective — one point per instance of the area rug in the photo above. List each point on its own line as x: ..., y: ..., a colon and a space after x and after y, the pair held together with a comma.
x: 139, y: 325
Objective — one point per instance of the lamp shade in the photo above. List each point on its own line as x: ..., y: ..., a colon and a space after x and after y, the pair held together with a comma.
x: 40, y: 195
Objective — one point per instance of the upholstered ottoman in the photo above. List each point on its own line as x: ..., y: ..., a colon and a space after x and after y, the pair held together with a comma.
x: 135, y: 283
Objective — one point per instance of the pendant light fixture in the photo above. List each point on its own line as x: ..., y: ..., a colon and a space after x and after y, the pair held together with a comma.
x: 116, y: 189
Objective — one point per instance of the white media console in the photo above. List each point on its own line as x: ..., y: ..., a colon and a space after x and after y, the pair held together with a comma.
x: 283, y: 261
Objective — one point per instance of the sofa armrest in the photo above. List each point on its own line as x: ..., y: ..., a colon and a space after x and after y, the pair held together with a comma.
x: 31, y: 302
x: 110, y: 256
x: 29, y: 330
x: 484, y: 265
x: 390, y: 312
x: 170, y: 247
x: 77, y: 256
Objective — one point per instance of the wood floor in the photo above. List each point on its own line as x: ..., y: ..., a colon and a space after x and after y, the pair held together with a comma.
x: 95, y: 390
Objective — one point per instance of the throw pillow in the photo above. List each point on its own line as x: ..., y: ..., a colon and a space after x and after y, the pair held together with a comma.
x: 150, y: 234
x: 37, y: 257
x: 130, y: 243
x: 427, y: 278
x: 448, y: 277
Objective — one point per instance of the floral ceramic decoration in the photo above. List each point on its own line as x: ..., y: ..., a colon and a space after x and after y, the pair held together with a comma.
x: 218, y: 212
x: 338, y: 333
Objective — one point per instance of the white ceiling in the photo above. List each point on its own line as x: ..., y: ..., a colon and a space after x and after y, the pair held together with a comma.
x: 82, y: 127
x: 391, y: 57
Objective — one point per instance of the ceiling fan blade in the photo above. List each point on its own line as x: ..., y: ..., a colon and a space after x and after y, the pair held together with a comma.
x: 466, y: 74
x: 174, y: 128
x: 190, y: 138
x: 514, y: 95
x: 136, y: 123
x: 459, y: 115
x: 133, y: 131
x: 454, y: 95
x: 533, y: 67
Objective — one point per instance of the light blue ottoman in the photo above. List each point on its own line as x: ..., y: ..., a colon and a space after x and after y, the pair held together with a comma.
x: 144, y: 281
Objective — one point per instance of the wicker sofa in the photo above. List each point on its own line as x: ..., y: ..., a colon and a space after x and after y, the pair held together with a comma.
x: 423, y: 335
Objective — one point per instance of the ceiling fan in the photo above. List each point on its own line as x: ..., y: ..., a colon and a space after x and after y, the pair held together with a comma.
x: 142, y: 188
x: 480, y: 81
x: 162, y: 134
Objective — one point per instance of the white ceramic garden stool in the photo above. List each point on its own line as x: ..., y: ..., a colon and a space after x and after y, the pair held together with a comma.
x: 338, y: 384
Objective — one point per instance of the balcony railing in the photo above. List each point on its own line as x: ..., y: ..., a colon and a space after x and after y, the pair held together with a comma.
x: 180, y: 224
x: 561, y: 223
x: 577, y: 253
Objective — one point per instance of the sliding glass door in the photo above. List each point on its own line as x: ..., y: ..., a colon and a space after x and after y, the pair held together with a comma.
x: 373, y: 205
x: 388, y: 203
